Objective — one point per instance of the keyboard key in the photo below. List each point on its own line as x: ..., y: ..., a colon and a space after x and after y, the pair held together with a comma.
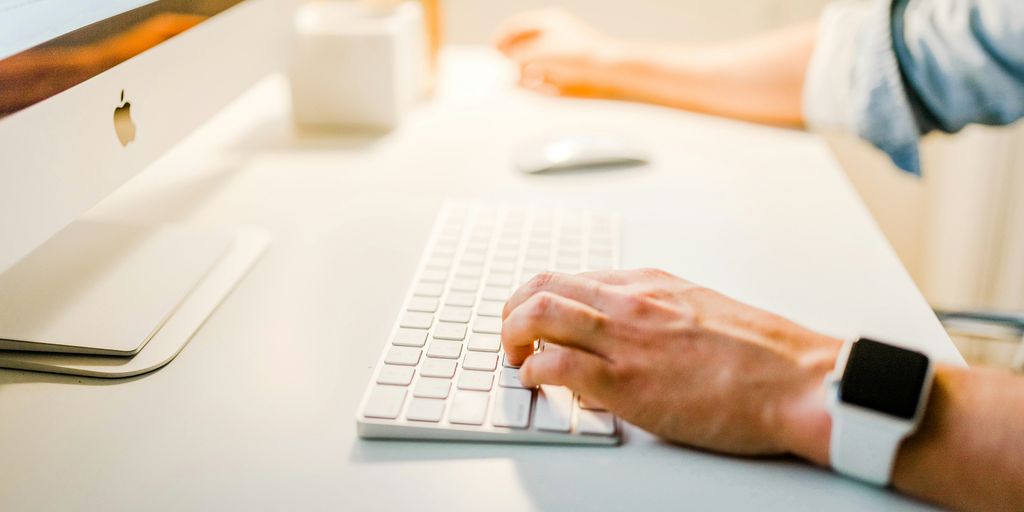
x: 445, y: 247
x: 395, y: 375
x: 470, y: 271
x: 445, y: 349
x: 474, y: 380
x: 503, y: 267
x: 434, y: 276
x: 423, y: 304
x: 429, y: 290
x: 410, y: 338
x: 554, y: 408
x: 599, y: 261
x: 532, y: 270
x: 484, y: 342
x: 511, y: 408
x: 448, y: 238
x: 463, y: 284
x: 570, y: 252
x: 416, y: 320
x: 474, y: 254
x: 439, y: 263
x: 446, y: 244
x: 450, y: 331
x: 490, y: 308
x: 468, y: 407
x: 496, y: 293
x: 432, y: 367
x: 480, y: 361
x: 506, y: 255
x: 428, y: 387
x: 456, y: 314
x: 405, y: 356
x: 460, y: 299
x: 568, y: 262
x: 385, y: 402
x: 487, y: 325
x: 425, y: 409
x: 510, y: 378
x: 595, y: 423
x: 503, y: 280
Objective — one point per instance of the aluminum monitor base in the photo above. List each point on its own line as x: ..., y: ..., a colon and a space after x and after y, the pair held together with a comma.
x: 243, y: 252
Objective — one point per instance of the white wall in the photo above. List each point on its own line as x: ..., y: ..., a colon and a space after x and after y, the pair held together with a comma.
x: 960, y: 230
x: 691, y: 20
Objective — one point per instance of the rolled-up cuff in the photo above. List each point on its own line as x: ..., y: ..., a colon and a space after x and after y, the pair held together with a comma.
x: 853, y: 81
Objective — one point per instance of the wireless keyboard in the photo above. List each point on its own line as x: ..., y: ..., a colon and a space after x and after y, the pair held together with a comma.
x: 443, y: 373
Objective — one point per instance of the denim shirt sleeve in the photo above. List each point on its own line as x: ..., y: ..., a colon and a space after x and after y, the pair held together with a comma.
x: 893, y: 70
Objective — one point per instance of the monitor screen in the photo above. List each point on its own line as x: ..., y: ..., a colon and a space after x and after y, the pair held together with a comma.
x: 49, y: 46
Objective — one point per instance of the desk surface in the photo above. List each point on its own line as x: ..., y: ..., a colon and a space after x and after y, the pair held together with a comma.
x: 257, y: 411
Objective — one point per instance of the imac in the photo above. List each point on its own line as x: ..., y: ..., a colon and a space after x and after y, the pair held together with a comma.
x: 90, y: 94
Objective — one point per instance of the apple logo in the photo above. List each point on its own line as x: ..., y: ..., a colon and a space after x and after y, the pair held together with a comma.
x: 123, y: 124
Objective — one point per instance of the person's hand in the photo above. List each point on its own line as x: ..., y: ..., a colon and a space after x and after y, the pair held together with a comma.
x: 681, y: 361
x: 558, y: 53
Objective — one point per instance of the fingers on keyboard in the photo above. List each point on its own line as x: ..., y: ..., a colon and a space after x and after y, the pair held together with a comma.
x: 444, y: 367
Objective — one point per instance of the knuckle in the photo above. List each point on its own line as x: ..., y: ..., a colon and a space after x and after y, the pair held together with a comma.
x: 598, y: 321
x: 653, y: 272
x: 688, y: 315
x: 635, y: 303
x: 541, y: 281
x: 621, y: 370
x: 540, y: 304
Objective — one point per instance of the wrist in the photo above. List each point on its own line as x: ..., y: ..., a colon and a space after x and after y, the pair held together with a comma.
x: 807, y: 425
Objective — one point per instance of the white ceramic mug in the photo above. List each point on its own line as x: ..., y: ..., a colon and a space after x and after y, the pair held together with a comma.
x: 357, y: 65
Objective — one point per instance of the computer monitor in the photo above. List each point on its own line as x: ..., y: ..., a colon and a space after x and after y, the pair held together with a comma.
x: 92, y: 92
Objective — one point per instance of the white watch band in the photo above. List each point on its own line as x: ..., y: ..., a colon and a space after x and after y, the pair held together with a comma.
x: 863, y: 448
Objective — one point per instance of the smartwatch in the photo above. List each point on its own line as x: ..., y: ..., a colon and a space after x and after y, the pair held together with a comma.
x: 876, y: 397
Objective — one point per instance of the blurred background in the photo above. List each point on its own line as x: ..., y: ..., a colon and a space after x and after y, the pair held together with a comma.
x: 959, y: 230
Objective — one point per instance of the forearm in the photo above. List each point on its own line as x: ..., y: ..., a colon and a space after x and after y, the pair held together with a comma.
x: 758, y: 79
x: 969, y: 450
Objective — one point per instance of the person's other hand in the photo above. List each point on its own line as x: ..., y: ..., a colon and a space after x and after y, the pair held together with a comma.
x: 681, y: 361
x: 558, y: 53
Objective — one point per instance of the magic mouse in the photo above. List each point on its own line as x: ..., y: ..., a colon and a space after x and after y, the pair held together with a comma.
x: 577, y: 152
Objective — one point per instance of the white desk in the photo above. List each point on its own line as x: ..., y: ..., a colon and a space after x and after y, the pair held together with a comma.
x: 257, y: 412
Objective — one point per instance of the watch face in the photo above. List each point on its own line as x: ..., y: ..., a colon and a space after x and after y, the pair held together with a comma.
x: 884, y: 378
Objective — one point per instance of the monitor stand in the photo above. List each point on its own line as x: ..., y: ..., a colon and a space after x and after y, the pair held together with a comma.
x: 190, y: 269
